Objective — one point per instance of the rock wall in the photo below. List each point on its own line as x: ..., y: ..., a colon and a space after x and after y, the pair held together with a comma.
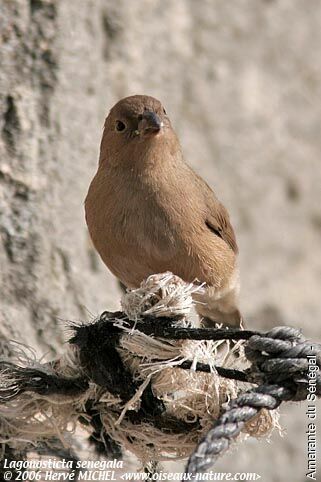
x: 242, y: 83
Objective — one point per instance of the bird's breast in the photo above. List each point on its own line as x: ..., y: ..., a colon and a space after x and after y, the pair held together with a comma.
x: 141, y: 228
x: 132, y: 233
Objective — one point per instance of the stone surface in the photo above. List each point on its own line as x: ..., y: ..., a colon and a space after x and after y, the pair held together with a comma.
x: 241, y: 82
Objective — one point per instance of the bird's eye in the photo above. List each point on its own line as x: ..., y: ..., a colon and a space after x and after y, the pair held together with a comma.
x: 164, y: 111
x: 120, y: 126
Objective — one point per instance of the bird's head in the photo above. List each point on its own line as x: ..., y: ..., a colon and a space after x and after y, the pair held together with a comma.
x: 136, y: 125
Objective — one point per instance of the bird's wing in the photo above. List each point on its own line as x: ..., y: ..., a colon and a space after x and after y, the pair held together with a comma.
x: 218, y: 220
x: 216, y: 216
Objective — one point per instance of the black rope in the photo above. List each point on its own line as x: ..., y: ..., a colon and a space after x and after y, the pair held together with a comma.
x: 37, y: 381
x: 231, y: 373
x: 168, y: 328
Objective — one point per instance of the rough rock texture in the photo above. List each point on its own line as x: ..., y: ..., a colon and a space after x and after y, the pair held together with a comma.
x: 242, y: 84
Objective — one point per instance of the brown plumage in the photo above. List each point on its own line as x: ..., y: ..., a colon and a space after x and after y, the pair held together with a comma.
x: 148, y: 212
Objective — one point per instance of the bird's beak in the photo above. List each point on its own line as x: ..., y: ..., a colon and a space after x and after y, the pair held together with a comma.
x: 150, y: 123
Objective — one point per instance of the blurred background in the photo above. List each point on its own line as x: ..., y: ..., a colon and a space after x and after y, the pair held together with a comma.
x: 241, y: 82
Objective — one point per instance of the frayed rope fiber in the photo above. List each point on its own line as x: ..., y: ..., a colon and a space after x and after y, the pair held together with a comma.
x: 149, y: 381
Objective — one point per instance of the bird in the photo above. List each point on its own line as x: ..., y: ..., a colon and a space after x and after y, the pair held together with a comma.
x: 148, y: 212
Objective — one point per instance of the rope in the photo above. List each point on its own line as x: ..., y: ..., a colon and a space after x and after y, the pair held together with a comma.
x: 280, y: 367
x: 280, y: 360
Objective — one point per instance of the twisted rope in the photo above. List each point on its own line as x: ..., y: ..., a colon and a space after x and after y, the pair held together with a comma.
x: 280, y: 363
x: 280, y: 368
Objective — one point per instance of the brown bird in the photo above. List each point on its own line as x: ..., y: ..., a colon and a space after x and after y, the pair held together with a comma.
x: 148, y: 212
